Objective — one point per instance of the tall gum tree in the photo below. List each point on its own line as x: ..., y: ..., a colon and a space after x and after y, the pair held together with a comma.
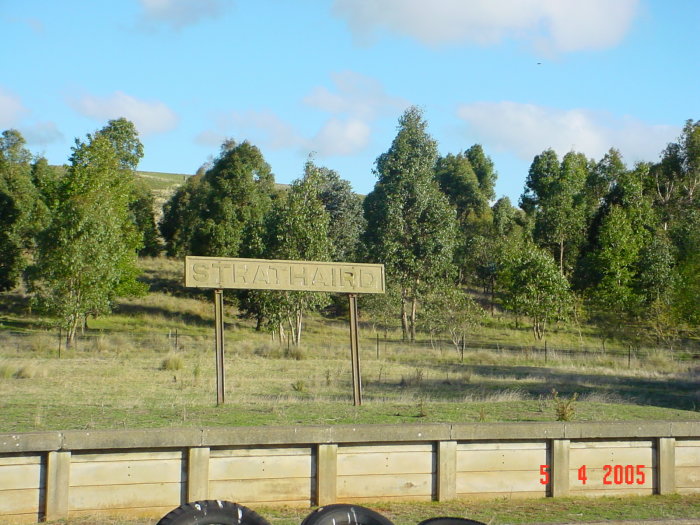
x: 22, y: 211
x: 297, y: 229
x: 86, y: 257
x: 411, y: 227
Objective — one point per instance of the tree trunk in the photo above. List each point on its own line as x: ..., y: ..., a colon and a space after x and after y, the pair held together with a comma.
x: 404, y: 317
x: 561, y: 256
x: 299, y: 320
x: 414, y: 305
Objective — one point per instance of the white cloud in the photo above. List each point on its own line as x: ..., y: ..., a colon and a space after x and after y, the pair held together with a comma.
x: 149, y: 117
x: 11, y: 109
x: 267, y: 128
x: 526, y: 130
x: 550, y: 25
x: 356, y: 95
x: 355, y: 102
x: 181, y: 13
x: 341, y: 137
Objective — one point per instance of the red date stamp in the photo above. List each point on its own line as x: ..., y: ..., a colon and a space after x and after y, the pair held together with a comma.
x: 611, y: 475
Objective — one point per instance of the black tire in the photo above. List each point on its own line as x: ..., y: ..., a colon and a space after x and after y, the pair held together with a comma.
x: 450, y: 521
x: 212, y: 512
x: 345, y: 514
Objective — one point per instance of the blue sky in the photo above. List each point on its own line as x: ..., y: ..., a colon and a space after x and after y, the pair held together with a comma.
x: 333, y: 76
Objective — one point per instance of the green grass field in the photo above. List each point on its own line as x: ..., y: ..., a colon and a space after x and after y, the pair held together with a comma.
x: 130, y: 371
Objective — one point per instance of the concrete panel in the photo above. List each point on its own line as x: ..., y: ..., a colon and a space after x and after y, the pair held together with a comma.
x: 21, y: 488
x: 596, y: 478
x: 136, y: 455
x: 479, y: 457
x: 17, y: 477
x: 597, y: 454
x: 22, y: 501
x: 265, y: 467
x: 687, y: 453
x: 499, y: 482
x: 125, y: 472
x: 259, y: 452
x: 625, y: 456
x: 125, y: 496
x: 382, y: 463
x: 687, y: 472
x: 387, y: 486
x: 251, y: 491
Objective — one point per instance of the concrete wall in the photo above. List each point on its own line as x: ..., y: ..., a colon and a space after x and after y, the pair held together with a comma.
x: 53, y: 475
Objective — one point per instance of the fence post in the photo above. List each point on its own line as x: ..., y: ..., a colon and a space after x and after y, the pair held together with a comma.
x: 198, y: 473
x: 560, y: 467
x: 446, y: 470
x: 326, y: 474
x: 57, y: 485
x: 666, y: 469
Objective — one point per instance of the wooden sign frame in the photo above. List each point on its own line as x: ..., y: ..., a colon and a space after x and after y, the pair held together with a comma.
x: 219, y: 273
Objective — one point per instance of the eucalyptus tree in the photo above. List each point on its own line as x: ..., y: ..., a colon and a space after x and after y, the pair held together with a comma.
x: 345, y: 209
x: 609, y: 270
x: 222, y: 213
x: 124, y: 138
x: 555, y: 198
x: 484, y: 170
x: 86, y: 256
x: 22, y: 211
x: 676, y: 178
x: 531, y: 285
x: 298, y: 228
x: 411, y: 227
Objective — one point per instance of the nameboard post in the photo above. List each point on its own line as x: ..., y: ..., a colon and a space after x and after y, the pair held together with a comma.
x: 220, y: 273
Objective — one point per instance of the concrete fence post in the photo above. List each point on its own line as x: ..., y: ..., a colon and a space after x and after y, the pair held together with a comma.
x: 326, y: 474
x: 198, y: 473
x: 560, y: 467
x: 446, y: 470
x: 57, y: 485
x: 666, y: 465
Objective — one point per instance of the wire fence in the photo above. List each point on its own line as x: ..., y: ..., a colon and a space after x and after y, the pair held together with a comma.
x: 372, y: 346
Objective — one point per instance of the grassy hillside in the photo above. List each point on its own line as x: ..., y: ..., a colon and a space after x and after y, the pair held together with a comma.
x: 151, y: 364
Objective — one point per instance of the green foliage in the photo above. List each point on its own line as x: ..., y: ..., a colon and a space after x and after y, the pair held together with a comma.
x: 22, y: 212
x: 124, y: 137
x: 172, y: 363
x: 458, y: 181
x: 87, y: 253
x: 411, y: 227
x: 142, y: 209
x: 484, y: 170
x: 532, y: 285
x: 564, y: 409
x: 297, y: 229
x: 449, y: 310
x: 222, y: 213
x: 345, y: 209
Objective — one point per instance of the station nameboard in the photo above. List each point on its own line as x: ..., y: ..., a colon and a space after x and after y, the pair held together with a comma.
x: 266, y: 274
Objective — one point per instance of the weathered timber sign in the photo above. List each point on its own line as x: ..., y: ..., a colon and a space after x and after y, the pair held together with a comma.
x: 266, y: 274
x: 300, y: 276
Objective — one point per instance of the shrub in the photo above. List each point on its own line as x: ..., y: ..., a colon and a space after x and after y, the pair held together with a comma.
x: 564, y: 408
x: 299, y: 386
x: 7, y: 371
x: 172, y: 363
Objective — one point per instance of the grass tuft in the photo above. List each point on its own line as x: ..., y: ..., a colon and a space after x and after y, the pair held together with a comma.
x: 172, y: 363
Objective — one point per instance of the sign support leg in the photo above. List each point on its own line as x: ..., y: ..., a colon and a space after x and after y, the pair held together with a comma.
x: 219, y: 343
x: 355, y: 352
